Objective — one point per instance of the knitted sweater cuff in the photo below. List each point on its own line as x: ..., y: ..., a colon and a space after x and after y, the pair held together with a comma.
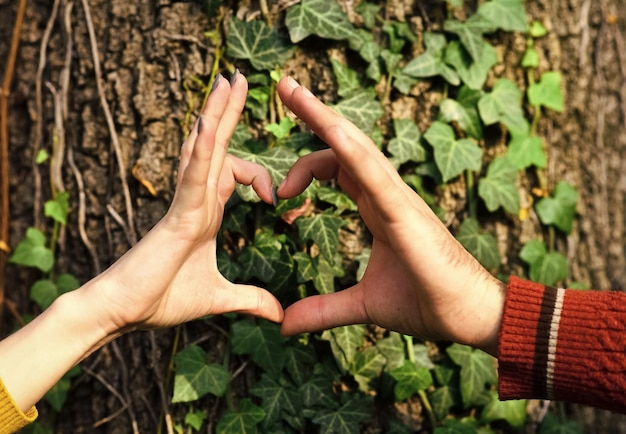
x: 564, y: 345
x: 11, y: 417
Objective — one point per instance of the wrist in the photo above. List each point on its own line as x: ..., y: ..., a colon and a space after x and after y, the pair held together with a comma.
x: 489, y: 310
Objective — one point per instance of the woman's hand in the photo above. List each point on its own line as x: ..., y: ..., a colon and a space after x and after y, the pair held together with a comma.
x: 171, y: 275
x: 419, y: 279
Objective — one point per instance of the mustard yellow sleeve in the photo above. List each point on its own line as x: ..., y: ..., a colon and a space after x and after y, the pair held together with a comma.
x: 11, y: 417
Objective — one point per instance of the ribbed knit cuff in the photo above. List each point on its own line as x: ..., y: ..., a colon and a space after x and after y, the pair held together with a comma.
x: 565, y: 345
x: 11, y: 417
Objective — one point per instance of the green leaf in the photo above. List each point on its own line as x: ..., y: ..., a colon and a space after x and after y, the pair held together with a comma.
x: 531, y: 58
x: 318, y: 17
x: 241, y: 421
x: 262, y: 341
x: 525, y: 150
x: 406, y: 145
x: 318, y: 392
x: 442, y: 399
x: 470, y: 33
x: 276, y: 397
x: 463, y: 111
x: 195, y: 419
x: 324, y: 278
x: 514, y: 411
x: 560, y: 209
x: 431, y: 63
x: 347, y: 79
x: 42, y: 156
x: 57, y: 209
x: 282, y: 129
x: 345, y: 342
x: 258, y: 260
x: 346, y: 419
x: 483, y: 246
x: 477, y: 370
x: 32, y: 251
x: 498, y: 187
x: 196, y: 378
x: 533, y: 252
x: 337, y: 198
x: 323, y: 230
x: 368, y: 12
x: 472, y: 72
x: 546, y: 268
x: 508, y: 15
x: 537, y: 30
x: 258, y: 43
x: 361, y: 108
x: 296, y: 358
x: 503, y: 104
x: 452, y: 156
x: 392, y: 348
x: 227, y: 267
x: 547, y: 92
x: 367, y: 366
x: 552, y: 425
x: 454, y: 426
x: 44, y: 292
x: 410, y: 379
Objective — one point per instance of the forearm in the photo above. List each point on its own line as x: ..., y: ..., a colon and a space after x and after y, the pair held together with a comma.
x: 34, y: 358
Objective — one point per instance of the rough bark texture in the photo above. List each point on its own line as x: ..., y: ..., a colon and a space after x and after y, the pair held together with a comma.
x: 149, y: 51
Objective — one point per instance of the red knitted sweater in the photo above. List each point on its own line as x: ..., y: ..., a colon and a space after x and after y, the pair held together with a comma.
x: 563, y: 344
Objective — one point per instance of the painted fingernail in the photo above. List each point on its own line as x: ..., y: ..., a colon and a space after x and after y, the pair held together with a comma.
x: 234, y: 77
x: 200, y: 125
x: 274, y: 197
x: 216, y: 81
x: 292, y: 83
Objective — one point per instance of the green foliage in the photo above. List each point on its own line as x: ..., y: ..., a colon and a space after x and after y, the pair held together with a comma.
x: 560, y: 209
x: 33, y: 252
x: 195, y: 377
x: 410, y: 379
x: 482, y: 245
x: 498, y: 188
x: 545, y: 267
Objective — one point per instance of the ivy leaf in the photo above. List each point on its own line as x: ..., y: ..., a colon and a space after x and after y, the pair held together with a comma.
x: 318, y: 392
x: 57, y: 208
x: 547, y: 268
x: 452, y: 156
x: 344, y: 342
x: 318, y: 17
x: 533, y: 252
x: 442, y: 399
x: 547, y: 92
x: 324, y: 278
x: 537, y: 30
x: 463, y: 112
x: 367, y: 366
x: 322, y: 229
x: 513, y: 411
x: 508, y: 15
x: 276, y: 397
x: 392, y: 348
x: 45, y: 291
x: 483, y: 246
x: 498, y: 187
x: 525, y: 150
x: 296, y: 357
x: 559, y: 210
x: 258, y: 43
x: 260, y: 340
x: 470, y: 33
x: 503, y: 105
x: 361, y: 108
x: 347, y: 79
x: 195, y: 419
x: 337, y: 198
x: 431, y: 63
x: 455, y: 426
x: 477, y: 370
x: 57, y: 395
x: 32, y: 251
x: 531, y: 58
x: 368, y: 12
x: 258, y: 260
x: 410, y: 379
x: 472, y: 72
x: 406, y: 145
x: 282, y: 129
x: 241, y: 421
x: 227, y: 267
x: 346, y: 419
x: 195, y: 377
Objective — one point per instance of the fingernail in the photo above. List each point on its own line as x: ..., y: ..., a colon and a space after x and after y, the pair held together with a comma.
x: 216, y: 82
x: 292, y: 83
x: 274, y: 197
x: 306, y: 92
x: 200, y: 125
x: 233, y: 78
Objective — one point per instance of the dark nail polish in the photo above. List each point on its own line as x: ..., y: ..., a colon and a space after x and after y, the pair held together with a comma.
x: 200, y: 125
x: 233, y: 78
x: 274, y: 197
x: 216, y: 81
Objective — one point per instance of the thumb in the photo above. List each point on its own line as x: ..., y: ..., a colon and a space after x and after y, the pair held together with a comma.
x: 321, y: 312
x: 249, y: 300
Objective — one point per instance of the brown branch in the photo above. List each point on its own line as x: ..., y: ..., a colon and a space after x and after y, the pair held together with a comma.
x: 4, y: 146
